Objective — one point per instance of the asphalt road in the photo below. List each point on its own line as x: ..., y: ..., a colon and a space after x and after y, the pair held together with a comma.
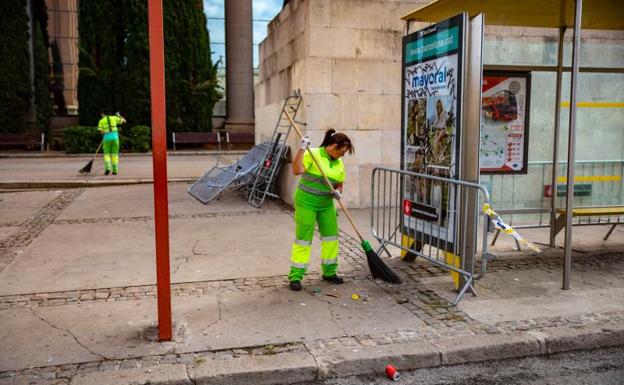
x: 592, y: 367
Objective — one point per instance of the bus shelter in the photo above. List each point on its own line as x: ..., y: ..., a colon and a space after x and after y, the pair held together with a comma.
x: 561, y: 16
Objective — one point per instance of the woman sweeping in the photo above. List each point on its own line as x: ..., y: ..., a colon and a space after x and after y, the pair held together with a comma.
x: 314, y: 204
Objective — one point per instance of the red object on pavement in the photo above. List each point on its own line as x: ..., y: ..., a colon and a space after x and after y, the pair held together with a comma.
x: 159, y: 161
x: 392, y: 373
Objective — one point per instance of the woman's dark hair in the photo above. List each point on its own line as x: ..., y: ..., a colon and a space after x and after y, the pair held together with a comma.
x: 342, y: 140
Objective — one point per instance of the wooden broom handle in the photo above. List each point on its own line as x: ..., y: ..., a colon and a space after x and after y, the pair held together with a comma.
x: 98, y: 149
x: 327, y: 182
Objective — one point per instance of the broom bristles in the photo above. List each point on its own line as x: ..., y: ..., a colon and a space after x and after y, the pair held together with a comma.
x: 378, y: 269
x: 87, y: 168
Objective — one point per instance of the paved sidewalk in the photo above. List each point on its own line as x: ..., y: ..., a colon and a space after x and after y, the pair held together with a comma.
x: 62, y: 172
x: 78, y: 301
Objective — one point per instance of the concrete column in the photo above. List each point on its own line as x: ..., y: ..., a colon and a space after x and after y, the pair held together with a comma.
x: 239, y: 66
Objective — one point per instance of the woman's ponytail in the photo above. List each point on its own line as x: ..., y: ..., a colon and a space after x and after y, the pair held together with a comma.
x: 327, y: 140
x: 340, y: 139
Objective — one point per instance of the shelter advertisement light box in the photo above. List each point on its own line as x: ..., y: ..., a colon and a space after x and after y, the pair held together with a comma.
x: 431, y: 119
x: 505, y: 122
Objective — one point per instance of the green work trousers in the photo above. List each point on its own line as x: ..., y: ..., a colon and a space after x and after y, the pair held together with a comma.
x: 111, y: 155
x: 306, y: 218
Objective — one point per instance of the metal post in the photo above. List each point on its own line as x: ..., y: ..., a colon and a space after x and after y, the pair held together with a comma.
x: 553, y: 198
x: 159, y: 160
x: 567, y: 254
x: 471, y: 126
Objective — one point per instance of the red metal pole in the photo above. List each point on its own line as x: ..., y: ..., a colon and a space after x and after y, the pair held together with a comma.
x: 159, y: 160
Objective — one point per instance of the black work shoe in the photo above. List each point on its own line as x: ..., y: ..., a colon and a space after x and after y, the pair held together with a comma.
x: 295, y: 285
x: 106, y: 172
x: 114, y: 172
x: 335, y: 279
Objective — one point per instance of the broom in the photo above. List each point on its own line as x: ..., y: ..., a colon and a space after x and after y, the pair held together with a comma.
x: 87, y: 168
x: 378, y: 269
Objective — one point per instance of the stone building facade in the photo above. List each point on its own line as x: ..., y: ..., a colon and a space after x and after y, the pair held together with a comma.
x: 345, y: 58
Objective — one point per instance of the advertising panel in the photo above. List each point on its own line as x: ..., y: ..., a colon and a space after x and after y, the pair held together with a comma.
x: 431, y: 120
x: 505, y: 122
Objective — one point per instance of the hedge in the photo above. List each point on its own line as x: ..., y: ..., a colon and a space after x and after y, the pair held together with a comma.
x: 85, y: 139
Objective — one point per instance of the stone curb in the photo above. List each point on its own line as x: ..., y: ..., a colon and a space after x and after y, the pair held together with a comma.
x: 83, y: 183
x: 283, y: 368
x: 357, y: 360
x: 373, y: 359
x: 557, y: 340
x: 155, y: 375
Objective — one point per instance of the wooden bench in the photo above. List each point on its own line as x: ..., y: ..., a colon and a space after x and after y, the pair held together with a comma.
x: 560, y: 222
x: 240, y: 138
x: 196, y: 138
x: 22, y: 140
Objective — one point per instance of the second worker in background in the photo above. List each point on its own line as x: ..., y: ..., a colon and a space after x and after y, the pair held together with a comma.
x: 109, y: 126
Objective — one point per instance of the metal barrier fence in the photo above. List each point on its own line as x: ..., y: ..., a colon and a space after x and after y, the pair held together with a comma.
x: 525, y: 200
x: 433, y: 218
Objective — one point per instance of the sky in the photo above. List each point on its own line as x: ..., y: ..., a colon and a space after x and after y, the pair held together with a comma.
x: 263, y: 12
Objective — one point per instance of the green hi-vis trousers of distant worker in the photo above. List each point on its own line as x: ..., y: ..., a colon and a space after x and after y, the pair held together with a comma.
x: 306, y: 218
x: 111, y: 155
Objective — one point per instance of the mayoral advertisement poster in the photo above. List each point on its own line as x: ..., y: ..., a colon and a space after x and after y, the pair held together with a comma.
x: 432, y: 76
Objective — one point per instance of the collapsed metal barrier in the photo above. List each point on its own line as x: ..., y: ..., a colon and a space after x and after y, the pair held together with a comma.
x: 434, y: 218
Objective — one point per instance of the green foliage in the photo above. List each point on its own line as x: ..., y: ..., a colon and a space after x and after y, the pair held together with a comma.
x: 137, y: 139
x: 85, y: 139
x: 81, y: 139
x: 15, y: 86
x: 43, y: 100
x: 15, y: 81
x: 96, y: 59
x: 192, y: 88
x: 114, y: 63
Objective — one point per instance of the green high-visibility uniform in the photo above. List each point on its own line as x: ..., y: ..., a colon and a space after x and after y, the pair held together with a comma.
x: 314, y: 204
x: 108, y: 125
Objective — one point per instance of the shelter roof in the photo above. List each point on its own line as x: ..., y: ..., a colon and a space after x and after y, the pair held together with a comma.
x: 597, y: 14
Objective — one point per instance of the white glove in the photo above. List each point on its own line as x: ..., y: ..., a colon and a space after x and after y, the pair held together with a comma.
x: 305, y: 143
x: 336, y: 194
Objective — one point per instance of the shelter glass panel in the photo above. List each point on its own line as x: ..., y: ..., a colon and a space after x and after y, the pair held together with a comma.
x: 520, y: 46
x: 598, y: 49
x: 600, y: 116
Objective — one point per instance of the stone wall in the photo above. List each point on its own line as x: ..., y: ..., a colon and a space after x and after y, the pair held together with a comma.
x: 345, y: 57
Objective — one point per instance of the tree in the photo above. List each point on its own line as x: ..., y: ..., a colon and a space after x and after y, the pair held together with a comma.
x: 15, y: 85
x: 16, y: 96
x: 114, y: 63
x: 191, y: 78
x: 97, y: 74
x: 43, y: 100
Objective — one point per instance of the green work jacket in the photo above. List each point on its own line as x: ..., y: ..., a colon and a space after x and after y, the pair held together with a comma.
x: 312, y: 190
x: 108, y: 125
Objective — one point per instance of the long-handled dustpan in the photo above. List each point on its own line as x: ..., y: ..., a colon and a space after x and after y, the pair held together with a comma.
x: 378, y: 269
